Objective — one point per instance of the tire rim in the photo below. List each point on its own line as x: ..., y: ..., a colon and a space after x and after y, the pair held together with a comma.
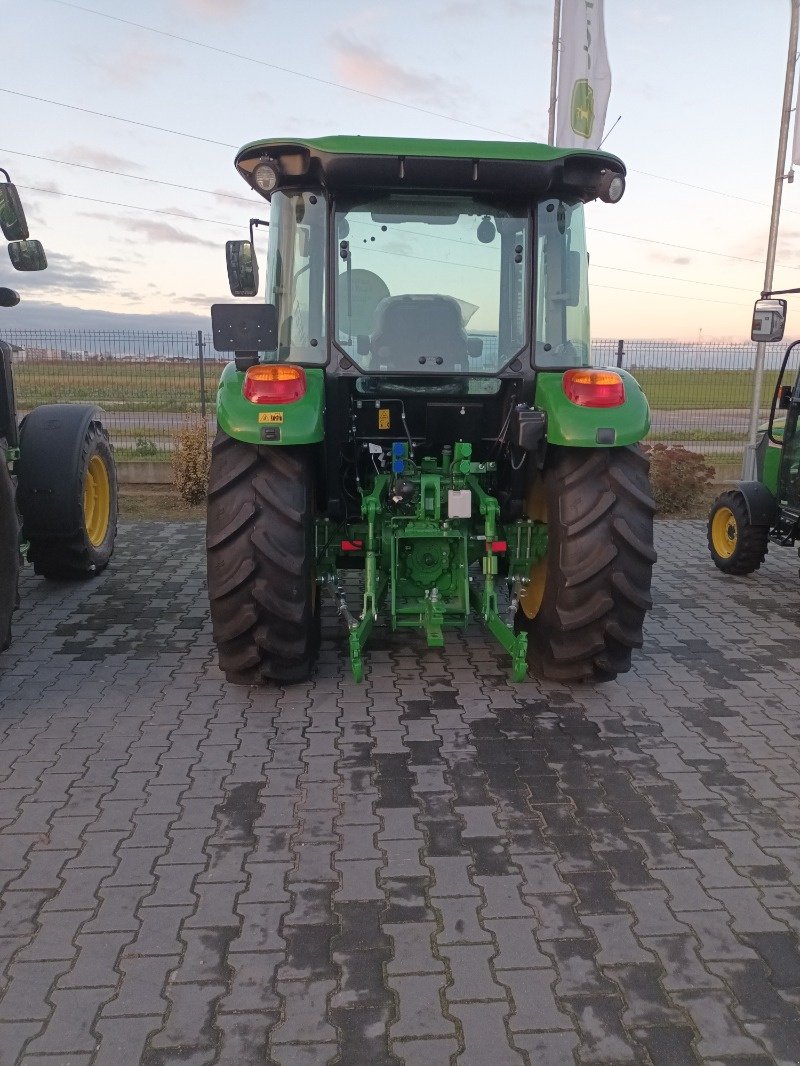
x: 724, y: 532
x: 96, y: 501
x: 530, y: 599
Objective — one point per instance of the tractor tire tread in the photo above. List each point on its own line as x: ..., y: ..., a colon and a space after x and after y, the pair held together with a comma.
x: 597, y: 589
x: 264, y: 610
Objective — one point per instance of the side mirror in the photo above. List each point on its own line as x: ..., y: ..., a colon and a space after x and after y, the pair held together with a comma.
x: 785, y: 398
x: 27, y: 255
x: 769, y: 320
x: 12, y: 217
x: 242, y: 265
x: 8, y: 298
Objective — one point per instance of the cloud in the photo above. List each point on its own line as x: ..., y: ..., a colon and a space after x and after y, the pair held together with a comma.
x: 672, y: 260
x: 456, y: 10
x: 165, y: 232
x: 364, y: 67
x: 134, y: 65
x: 96, y: 157
x: 63, y: 274
x: 215, y: 8
x: 154, y: 229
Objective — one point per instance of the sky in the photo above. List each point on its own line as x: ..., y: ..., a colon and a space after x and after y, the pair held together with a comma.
x: 139, y: 239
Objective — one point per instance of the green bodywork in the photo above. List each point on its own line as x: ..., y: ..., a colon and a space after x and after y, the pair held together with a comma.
x: 424, y: 147
x: 577, y: 427
x: 303, y: 421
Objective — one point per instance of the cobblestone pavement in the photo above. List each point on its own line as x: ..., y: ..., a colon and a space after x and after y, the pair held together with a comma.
x: 437, y: 866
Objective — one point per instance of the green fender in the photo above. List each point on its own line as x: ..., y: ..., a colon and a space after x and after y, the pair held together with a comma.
x: 300, y: 422
x: 592, y: 427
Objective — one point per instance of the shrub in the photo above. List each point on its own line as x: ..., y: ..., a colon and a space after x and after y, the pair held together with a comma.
x: 678, y: 477
x: 145, y: 446
x: 190, y: 462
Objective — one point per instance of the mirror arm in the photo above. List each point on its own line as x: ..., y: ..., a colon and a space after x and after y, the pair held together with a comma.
x: 253, y: 223
x: 778, y: 292
x: 776, y: 393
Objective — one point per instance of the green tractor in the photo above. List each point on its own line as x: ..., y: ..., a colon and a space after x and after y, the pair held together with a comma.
x: 57, y: 469
x: 413, y: 402
x: 744, y: 520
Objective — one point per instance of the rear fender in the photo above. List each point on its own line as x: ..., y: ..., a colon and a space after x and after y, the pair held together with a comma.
x: 762, y: 507
x: 592, y: 427
x: 300, y: 422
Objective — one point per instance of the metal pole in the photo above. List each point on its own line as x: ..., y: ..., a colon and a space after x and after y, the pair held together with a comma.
x: 749, y: 465
x: 551, y: 114
x: 620, y: 352
x: 200, y: 347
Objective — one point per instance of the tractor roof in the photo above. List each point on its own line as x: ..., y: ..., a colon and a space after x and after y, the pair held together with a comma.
x: 525, y: 169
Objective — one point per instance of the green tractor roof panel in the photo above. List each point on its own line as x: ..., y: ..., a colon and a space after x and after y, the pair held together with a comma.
x: 518, y: 168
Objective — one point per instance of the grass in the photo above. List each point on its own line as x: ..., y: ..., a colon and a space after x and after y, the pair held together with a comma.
x: 175, y: 386
x: 152, y: 386
x: 670, y: 390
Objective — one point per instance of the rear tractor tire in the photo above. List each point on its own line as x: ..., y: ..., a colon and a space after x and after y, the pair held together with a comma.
x: 585, y: 605
x: 260, y: 544
x: 737, y: 546
x: 86, y: 550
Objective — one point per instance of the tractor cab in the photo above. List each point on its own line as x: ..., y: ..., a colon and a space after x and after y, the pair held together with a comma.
x: 424, y: 335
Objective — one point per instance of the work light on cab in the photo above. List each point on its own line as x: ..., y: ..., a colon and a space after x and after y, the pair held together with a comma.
x: 594, y: 388
x: 612, y: 186
x: 274, y: 383
x: 266, y: 175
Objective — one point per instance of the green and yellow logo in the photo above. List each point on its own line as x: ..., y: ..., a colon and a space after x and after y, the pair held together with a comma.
x: 582, y: 109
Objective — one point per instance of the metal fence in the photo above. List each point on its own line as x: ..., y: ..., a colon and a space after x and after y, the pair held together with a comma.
x: 151, y: 383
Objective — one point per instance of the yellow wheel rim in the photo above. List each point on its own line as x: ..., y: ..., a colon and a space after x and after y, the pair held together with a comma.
x: 724, y: 532
x: 531, y: 598
x: 96, y: 501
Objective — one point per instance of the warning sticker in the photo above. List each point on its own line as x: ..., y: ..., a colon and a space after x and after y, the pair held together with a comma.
x: 384, y: 418
x: 270, y: 417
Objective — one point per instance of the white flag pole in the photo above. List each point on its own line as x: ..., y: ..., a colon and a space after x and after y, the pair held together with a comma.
x: 551, y: 115
x: 749, y: 465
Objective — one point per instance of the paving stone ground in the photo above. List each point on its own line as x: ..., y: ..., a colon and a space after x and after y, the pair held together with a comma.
x: 435, y: 866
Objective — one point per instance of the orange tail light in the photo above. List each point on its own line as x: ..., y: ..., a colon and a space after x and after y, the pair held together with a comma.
x: 274, y: 383
x: 594, y: 388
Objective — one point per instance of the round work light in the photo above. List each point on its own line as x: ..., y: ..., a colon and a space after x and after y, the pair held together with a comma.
x: 611, y: 187
x: 266, y: 175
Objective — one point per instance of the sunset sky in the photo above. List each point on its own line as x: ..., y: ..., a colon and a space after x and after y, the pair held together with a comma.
x: 698, y: 86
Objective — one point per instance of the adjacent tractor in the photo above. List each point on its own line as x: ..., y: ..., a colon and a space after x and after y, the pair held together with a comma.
x: 412, y: 408
x: 57, y: 471
x: 747, y: 518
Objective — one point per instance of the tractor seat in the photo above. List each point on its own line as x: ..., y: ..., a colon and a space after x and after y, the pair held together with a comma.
x: 416, y: 330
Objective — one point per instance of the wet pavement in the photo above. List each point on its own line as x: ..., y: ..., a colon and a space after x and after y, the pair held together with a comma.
x: 435, y: 866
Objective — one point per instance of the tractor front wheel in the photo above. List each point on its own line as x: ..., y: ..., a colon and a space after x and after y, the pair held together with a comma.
x: 737, y: 546
x: 260, y: 556
x: 586, y: 600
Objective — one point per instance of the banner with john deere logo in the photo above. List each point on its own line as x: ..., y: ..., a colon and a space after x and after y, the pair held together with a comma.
x: 584, y: 76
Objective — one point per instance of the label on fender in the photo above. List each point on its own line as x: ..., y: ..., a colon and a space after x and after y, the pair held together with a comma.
x: 272, y: 418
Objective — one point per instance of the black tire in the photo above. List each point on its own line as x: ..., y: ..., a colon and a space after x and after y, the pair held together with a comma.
x: 9, y: 551
x: 585, y: 608
x: 737, y: 546
x: 87, y: 550
x: 260, y: 545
